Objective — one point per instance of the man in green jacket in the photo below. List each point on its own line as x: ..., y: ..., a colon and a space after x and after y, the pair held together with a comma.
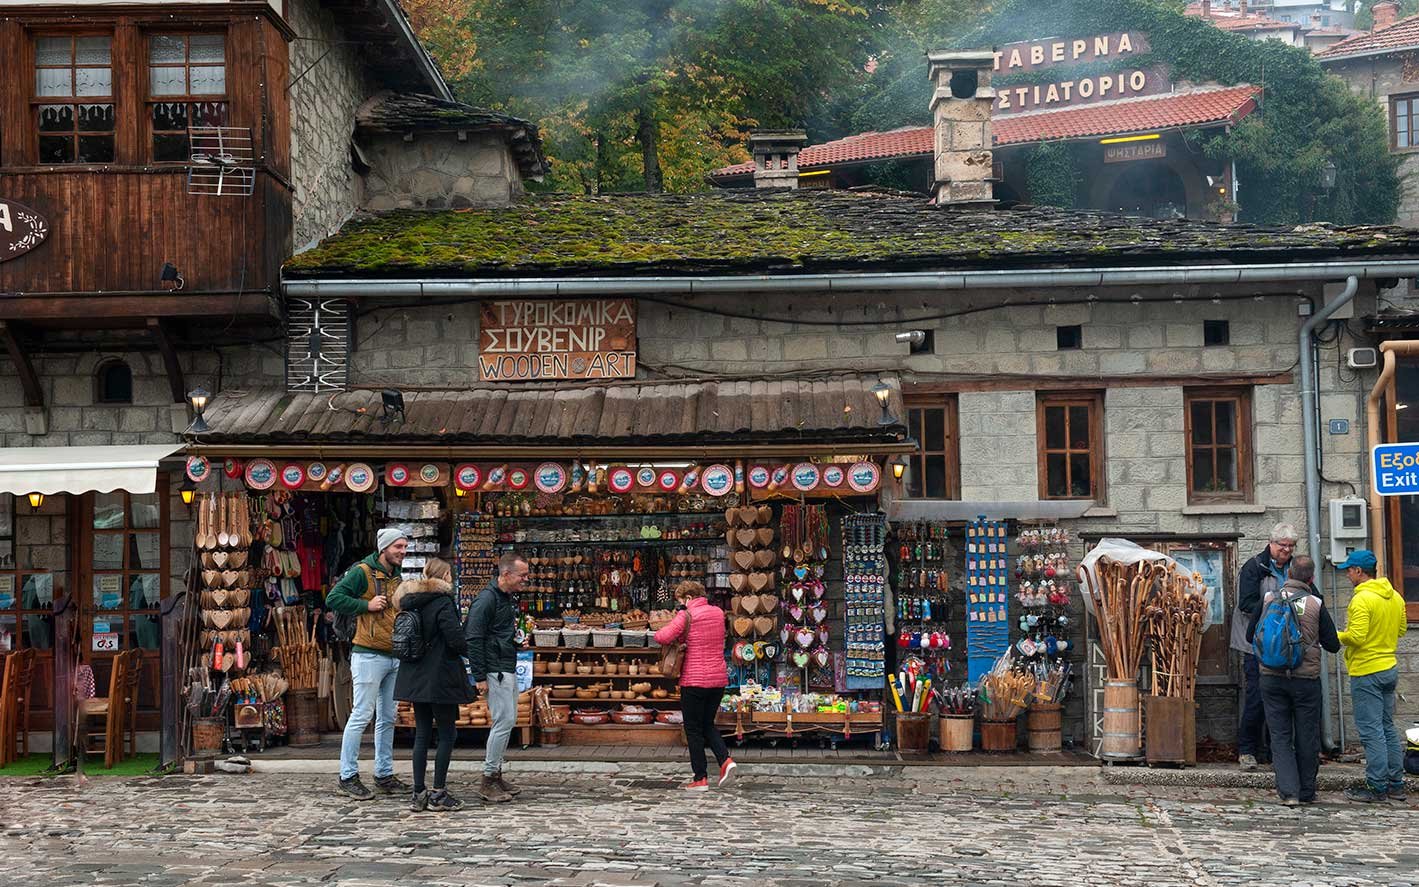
x: 365, y: 592
x: 1373, y: 624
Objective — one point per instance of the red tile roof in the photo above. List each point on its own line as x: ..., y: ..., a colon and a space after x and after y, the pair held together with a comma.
x: 1233, y: 21
x: 1196, y: 107
x: 1403, y: 34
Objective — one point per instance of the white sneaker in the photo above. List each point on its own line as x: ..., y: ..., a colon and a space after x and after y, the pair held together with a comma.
x: 1246, y: 762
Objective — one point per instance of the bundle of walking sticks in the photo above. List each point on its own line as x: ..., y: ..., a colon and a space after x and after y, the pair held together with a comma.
x: 298, y: 652
x: 1176, y: 619
x: 1120, y: 605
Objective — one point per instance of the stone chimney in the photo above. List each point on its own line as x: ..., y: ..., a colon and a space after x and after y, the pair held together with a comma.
x: 1385, y: 13
x: 960, y: 111
x: 776, y: 157
x: 1207, y: 8
x: 1241, y: 7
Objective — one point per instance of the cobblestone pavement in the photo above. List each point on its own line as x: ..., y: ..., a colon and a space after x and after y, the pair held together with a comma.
x: 899, y: 827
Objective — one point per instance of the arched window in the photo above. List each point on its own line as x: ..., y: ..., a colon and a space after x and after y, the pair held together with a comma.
x: 113, y: 382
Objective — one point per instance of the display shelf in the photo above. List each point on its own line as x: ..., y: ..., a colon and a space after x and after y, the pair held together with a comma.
x: 602, y: 517
x: 614, y: 543
x: 633, y: 678
x: 598, y: 651
x: 575, y: 703
x: 623, y: 734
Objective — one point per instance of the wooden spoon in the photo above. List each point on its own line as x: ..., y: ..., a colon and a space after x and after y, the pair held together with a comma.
x: 223, y: 539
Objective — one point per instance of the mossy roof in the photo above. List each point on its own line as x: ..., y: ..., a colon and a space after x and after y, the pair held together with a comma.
x: 795, y: 232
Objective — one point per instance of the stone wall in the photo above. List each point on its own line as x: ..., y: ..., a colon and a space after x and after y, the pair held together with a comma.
x: 439, y: 171
x: 1378, y: 78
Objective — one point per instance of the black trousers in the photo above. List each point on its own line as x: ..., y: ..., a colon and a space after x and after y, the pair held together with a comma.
x: 1293, y: 714
x: 425, y: 714
x: 699, y: 705
x: 1251, y: 732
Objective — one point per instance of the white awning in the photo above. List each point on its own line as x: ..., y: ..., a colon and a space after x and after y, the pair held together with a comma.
x: 51, y: 470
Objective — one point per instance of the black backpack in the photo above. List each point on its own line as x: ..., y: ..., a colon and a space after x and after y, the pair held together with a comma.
x: 407, y: 643
x: 345, y: 624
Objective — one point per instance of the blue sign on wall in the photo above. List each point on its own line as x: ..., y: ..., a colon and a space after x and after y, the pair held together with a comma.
x: 1394, y: 469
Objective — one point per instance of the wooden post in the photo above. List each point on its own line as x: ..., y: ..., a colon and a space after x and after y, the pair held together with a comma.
x: 173, y: 617
x: 66, y: 614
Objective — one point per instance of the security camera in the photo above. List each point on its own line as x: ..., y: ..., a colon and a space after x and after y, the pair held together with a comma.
x: 912, y: 337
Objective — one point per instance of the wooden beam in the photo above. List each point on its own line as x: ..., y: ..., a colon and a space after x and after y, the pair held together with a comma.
x: 176, y: 382
x: 29, y: 380
x: 100, y: 310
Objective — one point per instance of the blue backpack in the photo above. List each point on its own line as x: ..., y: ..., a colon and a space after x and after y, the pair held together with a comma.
x: 1277, y: 640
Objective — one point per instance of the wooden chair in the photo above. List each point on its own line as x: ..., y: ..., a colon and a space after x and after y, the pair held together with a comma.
x: 15, y: 706
x: 112, y: 709
x: 133, y: 676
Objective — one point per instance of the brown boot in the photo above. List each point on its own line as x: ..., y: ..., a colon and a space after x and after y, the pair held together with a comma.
x: 491, y: 792
x: 509, y: 788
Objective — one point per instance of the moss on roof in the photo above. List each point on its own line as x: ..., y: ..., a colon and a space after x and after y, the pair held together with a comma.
x: 794, y: 232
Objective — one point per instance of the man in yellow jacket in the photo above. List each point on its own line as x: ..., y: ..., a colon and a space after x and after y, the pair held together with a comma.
x: 1373, y: 624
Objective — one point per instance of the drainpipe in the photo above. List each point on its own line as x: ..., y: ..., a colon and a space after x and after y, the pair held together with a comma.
x: 1310, y: 416
x: 1390, y: 350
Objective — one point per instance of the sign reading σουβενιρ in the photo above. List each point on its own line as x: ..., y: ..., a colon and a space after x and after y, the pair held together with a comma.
x: 1394, y: 469
x: 21, y: 229
x: 528, y: 340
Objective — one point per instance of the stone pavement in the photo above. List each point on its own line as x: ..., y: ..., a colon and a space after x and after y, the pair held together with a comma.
x: 814, y: 825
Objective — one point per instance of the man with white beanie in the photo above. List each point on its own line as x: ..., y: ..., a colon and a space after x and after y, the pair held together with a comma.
x: 364, y: 592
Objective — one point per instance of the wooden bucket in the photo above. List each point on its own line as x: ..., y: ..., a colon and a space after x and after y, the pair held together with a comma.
x: 1172, y: 730
x: 207, y: 736
x: 551, y: 736
x: 1121, y: 739
x: 956, y: 732
x: 302, y: 718
x: 998, y: 736
x: 1043, y: 723
x: 913, y: 732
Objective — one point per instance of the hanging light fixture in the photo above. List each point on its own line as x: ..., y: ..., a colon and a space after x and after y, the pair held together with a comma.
x: 883, y: 393
x: 36, y: 500
x: 198, y: 398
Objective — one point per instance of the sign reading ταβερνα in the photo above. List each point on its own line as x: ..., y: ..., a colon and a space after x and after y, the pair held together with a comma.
x: 1394, y: 469
x: 530, y: 340
x: 21, y: 229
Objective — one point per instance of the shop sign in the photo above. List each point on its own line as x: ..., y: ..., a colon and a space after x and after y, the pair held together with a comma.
x: 1052, y: 52
x: 1085, y: 90
x: 526, y: 340
x: 1064, y: 53
x: 21, y: 229
x: 1394, y: 469
x: 1151, y: 150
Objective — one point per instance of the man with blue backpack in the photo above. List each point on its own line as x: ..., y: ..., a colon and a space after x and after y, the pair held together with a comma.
x: 1266, y: 572
x: 1287, y: 631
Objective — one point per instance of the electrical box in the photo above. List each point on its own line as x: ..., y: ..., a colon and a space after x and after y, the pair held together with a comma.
x: 1329, y: 292
x: 1362, y: 358
x: 1349, y: 527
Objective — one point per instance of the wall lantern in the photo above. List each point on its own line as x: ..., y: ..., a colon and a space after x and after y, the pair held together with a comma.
x: 198, y: 398
x: 36, y: 500
x: 883, y: 394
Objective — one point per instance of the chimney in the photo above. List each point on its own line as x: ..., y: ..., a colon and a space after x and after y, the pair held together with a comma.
x: 776, y: 157
x: 1207, y: 8
x: 1385, y: 13
x: 960, y: 111
x: 1242, y: 8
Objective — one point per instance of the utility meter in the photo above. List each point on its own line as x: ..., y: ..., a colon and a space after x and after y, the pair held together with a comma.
x: 1349, y: 527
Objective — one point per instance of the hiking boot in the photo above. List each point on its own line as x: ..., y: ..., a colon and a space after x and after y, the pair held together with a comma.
x: 1362, y: 794
x: 420, y: 801
x: 1246, y: 762
x: 356, y: 789
x: 440, y: 801
x: 390, y: 785
x: 698, y: 785
x: 1290, y: 802
x: 509, y: 788
x: 1398, y: 793
x: 726, y: 772
x: 491, y: 792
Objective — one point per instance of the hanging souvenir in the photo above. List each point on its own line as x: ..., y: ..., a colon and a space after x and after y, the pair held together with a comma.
x: 315, y: 471
x: 621, y: 479
x: 759, y: 476
x: 718, y: 480
x: 833, y: 476
x: 359, y: 477
x: 198, y: 469
x: 668, y: 480
x: 430, y: 473
x: 396, y: 474
x: 292, y: 475
x: 232, y: 468
x: 645, y: 476
x: 777, y: 478
x: 467, y: 477
x: 260, y: 474
x: 864, y: 477
x: 550, y: 477
x: 805, y: 476
x: 518, y: 478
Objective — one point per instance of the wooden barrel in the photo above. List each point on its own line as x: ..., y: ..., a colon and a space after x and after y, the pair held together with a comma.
x: 302, y: 718
x: 1121, y: 739
x: 956, y: 732
x: 913, y: 732
x: 1043, y: 727
x: 1172, y: 730
x: 207, y: 735
x: 998, y: 736
x: 551, y: 736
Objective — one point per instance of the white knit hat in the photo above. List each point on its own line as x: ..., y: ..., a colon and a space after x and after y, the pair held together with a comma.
x: 387, y: 537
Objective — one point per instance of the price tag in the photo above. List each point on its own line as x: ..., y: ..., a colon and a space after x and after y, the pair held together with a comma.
x: 105, y: 642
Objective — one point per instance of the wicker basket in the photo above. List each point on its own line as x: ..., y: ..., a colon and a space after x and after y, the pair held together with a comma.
x: 575, y: 639
x: 636, y: 624
x: 546, y: 637
x: 630, y: 638
x: 605, y: 637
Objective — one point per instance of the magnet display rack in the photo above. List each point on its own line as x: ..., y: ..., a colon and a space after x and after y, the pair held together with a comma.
x: 475, y: 559
x: 987, y: 595
x: 865, y: 581
x: 922, y: 588
x: 1044, y: 588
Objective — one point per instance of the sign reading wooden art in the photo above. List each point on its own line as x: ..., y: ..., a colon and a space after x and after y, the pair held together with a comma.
x: 21, y: 229
x: 523, y: 341
x: 1063, y: 53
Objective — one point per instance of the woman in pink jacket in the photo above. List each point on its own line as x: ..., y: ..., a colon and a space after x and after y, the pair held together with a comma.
x: 703, y: 678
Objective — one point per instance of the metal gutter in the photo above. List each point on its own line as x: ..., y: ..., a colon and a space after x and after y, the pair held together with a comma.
x: 552, y: 287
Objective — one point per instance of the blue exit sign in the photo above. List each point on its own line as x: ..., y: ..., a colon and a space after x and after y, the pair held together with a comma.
x: 1394, y: 469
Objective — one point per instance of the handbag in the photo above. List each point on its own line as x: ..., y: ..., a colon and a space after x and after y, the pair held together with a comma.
x: 672, y: 657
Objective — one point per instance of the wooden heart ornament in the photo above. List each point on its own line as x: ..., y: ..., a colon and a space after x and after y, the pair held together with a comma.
x: 823, y: 635
x: 749, y: 604
x: 759, y: 581
x: 745, y: 538
x: 804, y: 638
x: 764, y: 535
x: 784, y: 634
x: 219, y: 597
x: 744, y: 560
x: 739, y: 581
x: 766, y: 514
x: 820, y: 656
x: 729, y: 535
x: 220, y: 558
x: 795, y: 613
x: 236, y: 559
x: 796, y: 591
x: 763, y: 625
x: 239, y: 597
x: 230, y: 577
x: 763, y: 558
x: 743, y: 625
x: 210, y: 577
x: 801, y: 658
x: 731, y: 516
x: 768, y: 603
x: 819, y: 613
x: 748, y: 515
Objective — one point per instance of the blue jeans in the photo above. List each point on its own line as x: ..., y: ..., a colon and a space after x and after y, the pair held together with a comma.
x: 373, y: 677
x: 1372, y: 696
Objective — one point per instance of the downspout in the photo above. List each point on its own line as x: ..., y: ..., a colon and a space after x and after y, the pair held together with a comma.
x: 1391, y: 351
x: 1310, y: 416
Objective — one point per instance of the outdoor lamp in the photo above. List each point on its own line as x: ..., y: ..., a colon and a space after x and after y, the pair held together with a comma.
x: 883, y: 393
x: 459, y: 491
x: 36, y: 500
x: 393, y: 401
x: 187, y: 492
x: 1327, y: 176
x: 197, y: 398
x: 899, y: 467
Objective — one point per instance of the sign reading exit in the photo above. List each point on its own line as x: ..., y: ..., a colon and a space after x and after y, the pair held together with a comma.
x: 1394, y: 469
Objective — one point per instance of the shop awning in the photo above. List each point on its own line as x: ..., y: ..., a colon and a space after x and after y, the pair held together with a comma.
x: 837, y: 411
x: 51, y: 470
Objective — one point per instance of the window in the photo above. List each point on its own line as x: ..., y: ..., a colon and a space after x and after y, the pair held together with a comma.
x: 1218, y: 445
x: 935, y: 469
x: 1404, y: 133
x: 113, y: 382
x: 1068, y: 338
x: 126, y: 561
x: 74, y: 99
x: 187, y: 86
x: 1071, y: 447
x: 26, y: 596
x: 1216, y: 332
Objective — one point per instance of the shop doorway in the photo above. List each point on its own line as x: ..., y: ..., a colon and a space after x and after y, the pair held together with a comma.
x: 1148, y: 188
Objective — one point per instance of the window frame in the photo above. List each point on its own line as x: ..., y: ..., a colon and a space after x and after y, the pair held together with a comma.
x: 1412, y: 101
x: 1244, y: 446
x: 100, y: 394
x: 951, y: 426
x: 1094, y: 401
x: 189, y: 99
x: 36, y: 101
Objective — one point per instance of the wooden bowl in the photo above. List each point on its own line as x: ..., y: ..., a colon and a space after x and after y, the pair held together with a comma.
x: 638, y: 689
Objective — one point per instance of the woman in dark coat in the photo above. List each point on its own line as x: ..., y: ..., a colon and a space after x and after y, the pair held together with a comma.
x: 437, y: 682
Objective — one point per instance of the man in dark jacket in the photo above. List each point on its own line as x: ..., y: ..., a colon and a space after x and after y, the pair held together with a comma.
x: 491, y: 629
x: 1263, y: 573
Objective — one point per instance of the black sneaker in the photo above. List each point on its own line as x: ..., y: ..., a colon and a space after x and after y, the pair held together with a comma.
x: 356, y: 789
x: 420, y: 801
x: 391, y: 785
x: 440, y: 801
x: 1398, y: 793
x: 1362, y: 794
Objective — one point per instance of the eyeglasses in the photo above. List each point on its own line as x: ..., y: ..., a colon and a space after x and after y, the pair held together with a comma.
x: 1288, y: 546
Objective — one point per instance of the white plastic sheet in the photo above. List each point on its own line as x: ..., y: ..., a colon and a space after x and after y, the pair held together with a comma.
x: 1124, y: 552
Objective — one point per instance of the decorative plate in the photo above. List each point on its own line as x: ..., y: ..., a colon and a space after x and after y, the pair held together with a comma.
x: 864, y: 477
x: 668, y: 480
x: 621, y: 479
x: 198, y: 469
x: 550, y: 477
x: 646, y: 477
x: 467, y: 476
x: 805, y: 476
x: 717, y: 480
x: 518, y: 478
x: 292, y: 475
x: 396, y: 474
x: 430, y: 473
x: 260, y: 474
x: 316, y: 471
x: 759, y: 476
x: 833, y: 475
x: 359, y: 477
